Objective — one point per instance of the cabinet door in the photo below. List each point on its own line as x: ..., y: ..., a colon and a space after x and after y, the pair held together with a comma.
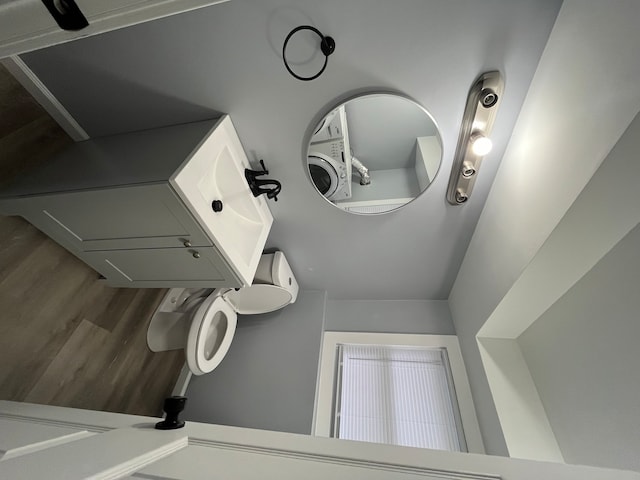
x: 145, y: 216
x: 163, y: 267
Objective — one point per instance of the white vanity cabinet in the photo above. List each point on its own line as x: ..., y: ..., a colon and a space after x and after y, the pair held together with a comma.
x: 112, y: 202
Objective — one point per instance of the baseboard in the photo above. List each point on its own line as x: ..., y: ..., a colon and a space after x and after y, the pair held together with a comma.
x: 180, y: 388
x: 44, y: 97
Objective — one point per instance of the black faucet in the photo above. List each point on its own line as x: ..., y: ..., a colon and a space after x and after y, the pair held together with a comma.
x: 260, y: 186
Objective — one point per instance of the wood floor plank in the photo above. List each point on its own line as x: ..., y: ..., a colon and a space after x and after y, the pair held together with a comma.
x: 17, y: 237
x: 59, y: 382
x: 40, y: 305
x: 112, y: 315
x: 29, y: 146
x: 17, y: 106
x: 133, y: 367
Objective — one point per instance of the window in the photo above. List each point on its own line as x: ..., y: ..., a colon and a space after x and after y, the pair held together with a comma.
x: 396, y: 395
x: 408, y: 390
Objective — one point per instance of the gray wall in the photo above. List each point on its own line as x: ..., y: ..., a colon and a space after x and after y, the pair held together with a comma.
x: 268, y: 378
x: 383, y: 131
x: 389, y: 316
x: 584, y: 358
x: 227, y: 58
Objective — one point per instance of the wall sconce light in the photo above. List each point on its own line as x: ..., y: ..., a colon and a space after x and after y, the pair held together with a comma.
x: 474, y: 141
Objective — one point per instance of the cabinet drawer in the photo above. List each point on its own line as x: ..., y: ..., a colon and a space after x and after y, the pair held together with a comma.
x: 148, y: 216
x: 163, y: 267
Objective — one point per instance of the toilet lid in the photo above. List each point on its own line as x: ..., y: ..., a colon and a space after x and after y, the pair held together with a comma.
x: 258, y: 298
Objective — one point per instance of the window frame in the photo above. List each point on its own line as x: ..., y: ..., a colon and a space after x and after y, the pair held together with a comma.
x: 328, y: 367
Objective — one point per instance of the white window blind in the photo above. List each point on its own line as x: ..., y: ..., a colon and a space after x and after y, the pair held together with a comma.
x: 396, y: 395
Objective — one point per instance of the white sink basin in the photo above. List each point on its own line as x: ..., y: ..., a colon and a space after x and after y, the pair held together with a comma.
x: 215, y: 171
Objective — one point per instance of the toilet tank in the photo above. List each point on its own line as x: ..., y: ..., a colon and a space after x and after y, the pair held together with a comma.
x: 273, y: 269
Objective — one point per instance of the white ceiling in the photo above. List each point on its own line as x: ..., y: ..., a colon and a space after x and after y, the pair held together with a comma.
x: 227, y: 58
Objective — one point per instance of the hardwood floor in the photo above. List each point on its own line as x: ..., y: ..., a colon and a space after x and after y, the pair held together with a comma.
x: 65, y: 338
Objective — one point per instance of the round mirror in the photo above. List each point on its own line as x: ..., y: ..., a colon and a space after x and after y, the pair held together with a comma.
x: 374, y: 153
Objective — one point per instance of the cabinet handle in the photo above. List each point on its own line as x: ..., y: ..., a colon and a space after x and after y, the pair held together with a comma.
x: 187, y: 243
x: 196, y: 255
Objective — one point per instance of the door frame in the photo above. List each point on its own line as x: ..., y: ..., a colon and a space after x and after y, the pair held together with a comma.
x: 105, y: 428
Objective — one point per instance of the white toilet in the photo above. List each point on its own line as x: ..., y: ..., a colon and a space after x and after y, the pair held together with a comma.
x: 203, y: 321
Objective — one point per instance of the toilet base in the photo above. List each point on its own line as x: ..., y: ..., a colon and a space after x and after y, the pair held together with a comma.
x: 169, y: 326
x: 167, y: 331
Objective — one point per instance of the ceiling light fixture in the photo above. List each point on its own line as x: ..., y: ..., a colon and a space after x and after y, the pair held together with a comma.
x: 474, y: 142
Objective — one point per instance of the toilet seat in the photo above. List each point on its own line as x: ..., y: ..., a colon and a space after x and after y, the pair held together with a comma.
x: 208, y: 344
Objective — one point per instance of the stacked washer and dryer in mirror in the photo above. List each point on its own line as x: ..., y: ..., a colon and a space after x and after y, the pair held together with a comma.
x: 329, y: 156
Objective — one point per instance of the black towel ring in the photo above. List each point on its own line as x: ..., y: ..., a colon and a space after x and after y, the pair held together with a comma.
x: 327, y: 46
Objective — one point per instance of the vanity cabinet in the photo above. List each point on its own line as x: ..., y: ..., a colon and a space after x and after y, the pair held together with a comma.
x: 115, y: 203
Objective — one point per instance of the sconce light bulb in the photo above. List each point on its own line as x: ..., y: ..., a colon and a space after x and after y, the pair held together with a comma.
x: 461, y: 197
x: 468, y: 169
x: 481, y: 145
